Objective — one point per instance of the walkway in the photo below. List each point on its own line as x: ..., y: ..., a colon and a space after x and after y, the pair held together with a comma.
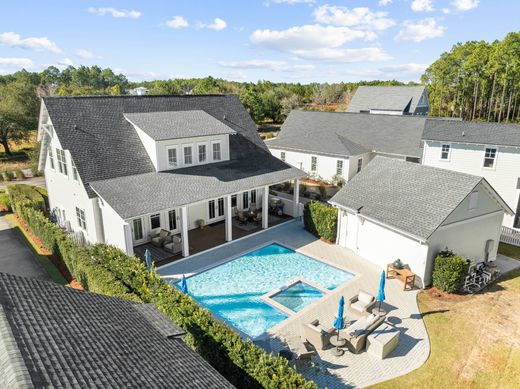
x: 16, y: 257
x: 349, y: 370
x: 36, y: 181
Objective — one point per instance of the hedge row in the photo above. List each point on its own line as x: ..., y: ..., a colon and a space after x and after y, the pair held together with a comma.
x: 27, y: 196
x: 449, y: 271
x: 5, y: 204
x: 321, y: 220
x: 108, y: 270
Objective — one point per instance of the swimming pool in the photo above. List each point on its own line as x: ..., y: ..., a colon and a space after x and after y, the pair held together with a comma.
x: 233, y: 291
x: 297, y: 296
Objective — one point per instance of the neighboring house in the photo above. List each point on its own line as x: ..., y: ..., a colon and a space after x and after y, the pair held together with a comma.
x: 333, y: 145
x: 390, y: 100
x: 490, y: 150
x: 396, y: 209
x: 139, y: 91
x: 57, y: 337
x: 121, y: 168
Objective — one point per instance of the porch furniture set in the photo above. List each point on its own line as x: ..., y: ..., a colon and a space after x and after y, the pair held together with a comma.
x: 166, y: 240
x: 250, y: 215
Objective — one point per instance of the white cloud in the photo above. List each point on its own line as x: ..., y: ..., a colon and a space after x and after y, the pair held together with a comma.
x: 236, y: 76
x: 36, y: 44
x: 446, y: 11
x: 115, y: 13
x: 420, y: 30
x: 382, y: 3
x: 177, y: 22
x: 266, y: 64
x: 366, y: 54
x: 66, y: 62
x: 360, y: 17
x: 86, y: 54
x: 407, y: 68
x: 465, y: 5
x: 422, y: 5
x: 16, y: 62
x: 218, y: 24
x: 293, y: 1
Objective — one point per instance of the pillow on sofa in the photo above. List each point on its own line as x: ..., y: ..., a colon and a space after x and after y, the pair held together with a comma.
x: 365, y: 297
x: 359, y: 306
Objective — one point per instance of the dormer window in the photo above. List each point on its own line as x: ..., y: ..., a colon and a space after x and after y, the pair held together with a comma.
x: 172, y: 157
x: 216, y: 152
x: 188, y: 157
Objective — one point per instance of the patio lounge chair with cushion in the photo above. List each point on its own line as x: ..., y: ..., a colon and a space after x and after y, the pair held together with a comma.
x: 241, y: 218
x: 258, y: 218
x: 159, y: 238
x: 317, y: 335
x: 356, y: 334
x: 174, y: 244
x: 361, y: 304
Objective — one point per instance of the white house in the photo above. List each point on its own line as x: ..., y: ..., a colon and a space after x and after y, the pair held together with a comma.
x: 390, y: 100
x: 396, y: 209
x: 333, y: 145
x: 121, y: 168
x: 490, y: 150
x: 139, y: 91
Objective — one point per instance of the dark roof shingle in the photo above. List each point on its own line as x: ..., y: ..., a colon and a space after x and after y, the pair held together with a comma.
x: 386, y: 98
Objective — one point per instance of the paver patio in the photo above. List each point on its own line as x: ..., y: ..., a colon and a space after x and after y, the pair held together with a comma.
x: 348, y: 370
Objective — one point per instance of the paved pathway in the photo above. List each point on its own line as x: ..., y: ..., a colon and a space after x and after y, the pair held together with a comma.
x: 37, y: 181
x: 349, y: 370
x: 16, y: 257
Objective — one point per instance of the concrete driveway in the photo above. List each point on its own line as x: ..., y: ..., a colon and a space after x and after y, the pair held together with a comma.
x: 16, y: 257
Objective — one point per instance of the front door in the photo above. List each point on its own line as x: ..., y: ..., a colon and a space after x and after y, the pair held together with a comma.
x: 137, y: 231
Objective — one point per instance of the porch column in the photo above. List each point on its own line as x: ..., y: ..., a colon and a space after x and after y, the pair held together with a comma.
x: 265, y: 208
x: 129, y: 241
x: 296, y: 198
x: 184, y: 232
x: 229, y: 218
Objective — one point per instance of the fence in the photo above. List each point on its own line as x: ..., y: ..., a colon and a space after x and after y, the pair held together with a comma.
x: 510, y: 236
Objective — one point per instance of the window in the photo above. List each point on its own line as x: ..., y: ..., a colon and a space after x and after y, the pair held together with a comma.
x: 234, y: 200
x: 75, y: 174
x: 172, y: 220
x: 216, y: 152
x: 245, y: 200
x: 359, y: 164
x: 221, y: 206
x: 516, y: 223
x: 314, y: 163
x: 80, y: 214
x: 211, y: 209
x: 445, y: 152
x: 282, y: 156
x: 188, y: 158
x: 489, y: 157
x: 339, y: 167
x: 473, y: 200
x: 155, y: 221
x: 412, y: 159
x: 202, y: 153
x: 253, y: 196
x: 172, y: 157
x: 51, y: 159
x: 62, y: 162
x: 137, y: 229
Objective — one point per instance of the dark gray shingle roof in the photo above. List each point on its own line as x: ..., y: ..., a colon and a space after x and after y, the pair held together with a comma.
x: 105, y: 145
x: 70, y: 339
x: 178, y: 124
x: 386, y: 98
x: 152, y: 192
x: 473, y: 132
x: 410, y: 197
x: 345, y: 134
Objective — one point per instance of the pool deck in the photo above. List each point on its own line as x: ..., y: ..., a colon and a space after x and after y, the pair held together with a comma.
x: 349, y: 370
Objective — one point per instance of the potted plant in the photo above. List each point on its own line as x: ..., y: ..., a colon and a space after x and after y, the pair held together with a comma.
x: 201, y: 223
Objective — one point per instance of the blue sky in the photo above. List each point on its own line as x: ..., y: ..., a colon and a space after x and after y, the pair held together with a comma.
x: 248, y: 40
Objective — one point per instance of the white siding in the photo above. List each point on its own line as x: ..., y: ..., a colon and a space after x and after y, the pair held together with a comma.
x: 113, y: 225
x: 469, y: 159
x: 149, y: 145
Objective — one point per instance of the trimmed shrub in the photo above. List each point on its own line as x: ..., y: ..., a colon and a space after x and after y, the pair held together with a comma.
x: 449, y: 271
x: 22, y: 195
x: 321, y: 220
x: 7, y: 176
x: 19, y: 174
x: 5, y: 204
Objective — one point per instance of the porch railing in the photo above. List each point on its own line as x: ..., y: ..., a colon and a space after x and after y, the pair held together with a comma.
x: 510, y: 236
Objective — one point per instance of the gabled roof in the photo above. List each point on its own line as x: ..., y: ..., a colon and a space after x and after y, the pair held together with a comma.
x: 104, y: 145
x: 386, y: 98
x: 498, y: 134
x: 409, y: 197
x: 178, y: 124
x: 347, y: 134
x: 58, y: 337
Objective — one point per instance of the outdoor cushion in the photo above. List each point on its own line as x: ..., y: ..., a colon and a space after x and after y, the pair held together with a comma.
x: 359, y: 306
x: 365, y: 297
x: 164, y: 233
x: 176, y: 239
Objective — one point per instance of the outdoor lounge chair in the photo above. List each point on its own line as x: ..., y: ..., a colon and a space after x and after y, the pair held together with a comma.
x: 361, y: 304
x: 159, y: 238
x: 173, y: 244
x: 300, y: 348
x: 241, y: 218
x: 356, y: 334
x: 258, y: 218
x: 317, y: 335
x: 252, y: 208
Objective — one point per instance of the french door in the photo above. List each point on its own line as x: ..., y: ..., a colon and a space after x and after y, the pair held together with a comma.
x: 216, y: 210
x: 137, y: 231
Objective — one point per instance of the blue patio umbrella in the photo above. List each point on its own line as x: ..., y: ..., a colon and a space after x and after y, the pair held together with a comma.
x: 148, y: 259
x: 339, y: 322
x: 381, y: 295
x: 184, y: 285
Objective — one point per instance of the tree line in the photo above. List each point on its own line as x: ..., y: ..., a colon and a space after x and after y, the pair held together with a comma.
x: 477, y: 80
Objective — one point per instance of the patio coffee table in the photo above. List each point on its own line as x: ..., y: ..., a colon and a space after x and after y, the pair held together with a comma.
x: 382, y: 341
x: 337, y: 343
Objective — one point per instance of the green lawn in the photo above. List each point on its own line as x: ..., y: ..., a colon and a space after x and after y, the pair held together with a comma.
x: 509, y: 250
x: 55, y: 274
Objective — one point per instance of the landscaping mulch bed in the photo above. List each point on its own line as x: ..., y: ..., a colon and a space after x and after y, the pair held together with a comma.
x: 444, y: 296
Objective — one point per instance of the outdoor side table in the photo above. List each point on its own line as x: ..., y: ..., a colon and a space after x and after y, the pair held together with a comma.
x: 337, y: 343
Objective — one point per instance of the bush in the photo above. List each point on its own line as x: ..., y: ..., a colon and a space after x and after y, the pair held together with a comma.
x: 19, y: 174
x: 108, y: 270
x: 323, y: 190
x: 321, y: 220
x: 5, y: 204
x: 449, y: 271
x: 7, y: 176
x: 22, y: 195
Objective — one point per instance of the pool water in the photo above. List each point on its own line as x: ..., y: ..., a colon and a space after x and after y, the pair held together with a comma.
x: 234, y: 289
x: 298, y: 296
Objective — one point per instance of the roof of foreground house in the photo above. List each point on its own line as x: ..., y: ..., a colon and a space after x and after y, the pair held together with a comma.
x: 105, y: 145
x: 407, y: 196
x: 386, y: 98
x: 499, y: 134
x: 347, y: 134
x: 54, y: 336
